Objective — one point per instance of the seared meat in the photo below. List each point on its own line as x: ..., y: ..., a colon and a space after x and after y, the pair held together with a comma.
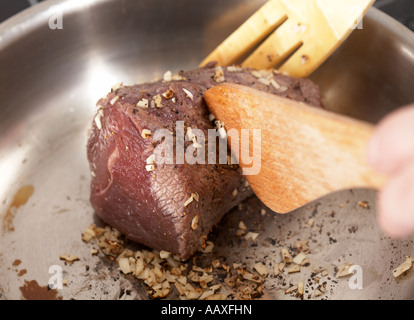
x: 173, y: 206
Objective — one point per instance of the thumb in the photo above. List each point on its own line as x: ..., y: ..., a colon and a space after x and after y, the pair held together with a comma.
x: 393, y: 143
x: 396, y: 204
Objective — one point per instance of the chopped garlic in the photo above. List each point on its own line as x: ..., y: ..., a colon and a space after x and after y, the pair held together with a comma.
x: 195, y: 196
x: 219, y: 75
x: 305, y: 262
x: 169, y: 94
x: 236, y: 265
x: 222, y: 133
x: 287, y: 258
x: 256, y: 74
x: 301, y: 288
x: 219, y: 124
x: 188, y: 201
x: 264, y: 81
x: 143, y: 103
x: 177, y: 77
x: 344, y: 270
x: 146, y: 133
x: 165, y: 254
x: 206, y: 294
x: 267, y: 74
x: 404, y: 267
x: 151, y: 267
x: 112, y: 102
x: 251, y: 236
x: 168, y: 76
x: 302, y: 245
x: 124, y: 265
x: 209, y: 248
x: 234, y: 69
x: 299, y: 258
x: 194, y: 222
x: 275, y: 84
x: 69, y: 257
x: 294, y: 269
x: 276, y: 269
x: 310, y: 222
x: 242, y: 226
x: 251, y: 277
x: 189, y: 94
x: 261, y: 269
x: 98, y: 121
x: 364, y: 204
x: 157, y: 101
x: 291, y: 289
x: 192, y: 295
x: 240, y: 232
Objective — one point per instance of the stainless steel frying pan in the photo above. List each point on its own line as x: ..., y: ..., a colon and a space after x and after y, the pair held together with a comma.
x: 59, y: 57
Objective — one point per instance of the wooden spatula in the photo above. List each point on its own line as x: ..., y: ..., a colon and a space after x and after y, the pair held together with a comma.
x: 307, y: 32
x: 306, y: 152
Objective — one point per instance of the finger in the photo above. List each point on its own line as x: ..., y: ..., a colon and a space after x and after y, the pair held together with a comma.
x: 396, y: 204
x: 393, y: 143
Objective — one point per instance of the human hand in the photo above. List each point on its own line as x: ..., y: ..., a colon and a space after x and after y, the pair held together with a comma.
x: 391, y: 151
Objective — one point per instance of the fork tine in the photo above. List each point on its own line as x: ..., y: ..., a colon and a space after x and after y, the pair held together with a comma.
x: 318, y: 27
x: 306, y: 60
x: 327, y: 31
x: 249, y: 34
x: 277, y: 47
x: 306, y: 23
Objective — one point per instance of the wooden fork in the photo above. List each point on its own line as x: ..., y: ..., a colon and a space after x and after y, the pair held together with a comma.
x: 303, y: 34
